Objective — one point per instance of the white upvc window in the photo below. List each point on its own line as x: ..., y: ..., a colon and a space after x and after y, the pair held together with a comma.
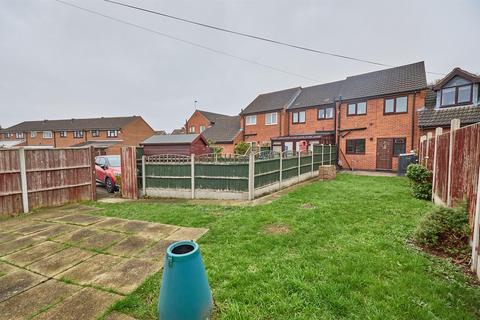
x: 33, y: 134
x: 112, y: 133
x: 19, y: 135
x: 47, y: 134
x: 202, y: 128
x: 271, y: 118
x: 251, y: 120
x: 191, y: 129
x: 78, y: 134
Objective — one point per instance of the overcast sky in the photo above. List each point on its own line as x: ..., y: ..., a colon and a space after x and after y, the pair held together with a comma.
x: 60, y: 62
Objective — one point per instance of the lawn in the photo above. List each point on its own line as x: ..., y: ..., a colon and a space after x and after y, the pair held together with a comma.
x: 328, y: 250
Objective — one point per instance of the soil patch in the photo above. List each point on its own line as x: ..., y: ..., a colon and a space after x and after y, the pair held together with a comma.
x: 276, y: 228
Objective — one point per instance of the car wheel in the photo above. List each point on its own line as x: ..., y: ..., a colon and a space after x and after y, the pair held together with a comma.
x: 109, y: 185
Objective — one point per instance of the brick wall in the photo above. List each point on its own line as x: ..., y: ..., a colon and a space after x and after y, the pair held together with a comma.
x: 132, y: 134
x: 312, y: 124
x: 262, y: 133
x: 196, y: 120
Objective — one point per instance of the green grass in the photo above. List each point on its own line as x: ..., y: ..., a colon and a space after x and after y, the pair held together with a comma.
x: 347, y: 257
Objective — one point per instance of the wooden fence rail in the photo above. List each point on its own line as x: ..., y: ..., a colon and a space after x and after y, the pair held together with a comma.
x: 455, y: 162
x: 34, y: 178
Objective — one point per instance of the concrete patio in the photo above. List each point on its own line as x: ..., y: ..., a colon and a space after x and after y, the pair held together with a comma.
x: 64, y: 263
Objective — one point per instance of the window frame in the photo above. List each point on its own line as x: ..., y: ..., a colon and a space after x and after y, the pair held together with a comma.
x: 251, y: 123
x: 110, y: 135
x: 356, y: 109
x: 7, y: 135
x: 456, y: 103
x: 298, y: 117
x: 33, y: 134
x: 78, y: 134
x: 19, y: 135
x: 325, y: 113
x: 95, y: 133
x: 354, y: 141
x: 393, y: 146
x: 202, y: 128
x: 394, y: 105
x: 45, y: 136
x: 63, y: 134
x: 271, y: 123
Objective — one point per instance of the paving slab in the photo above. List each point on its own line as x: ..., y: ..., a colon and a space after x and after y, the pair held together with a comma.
x: 7, y: 236
x: 102, y: 240
x: 118, y: 316
x: 17, y: 244
x: 87, y: 304
x: 6, y: 268
x: 17, y: 282
x: 80, y: 219
x: 77, y: 236
x: 31, y: 302
x: 57, y: 230
x: 29, y: 255
x: 87, y: 271
x: 126, y: 277
x: 34, y: 227
x: 158, y: 231
x: 132, y: 226
x: 157, y: 251
x: 131, y: 246
x: 187, y: 234
x: 109, y: 223
x: 61, y: 261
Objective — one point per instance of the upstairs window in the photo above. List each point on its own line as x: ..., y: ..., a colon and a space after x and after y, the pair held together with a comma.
x: 456, y: 95
x: 114, y: 133
x: 251, y: 120
x: 8, y: 135
x: 298, y: 117
x: 271, y: 118
x: 95, y: 133
x: 47, y: 134
x: 396, y: 105
x: 356, y: 146
x: 359, y: 108
x: 202, y: 128
x: 191, y: 129
x: 63, y: 134
x: 325, y: 113
x: 33, y: 134
x: 78, y: 134
x: 19, y: 135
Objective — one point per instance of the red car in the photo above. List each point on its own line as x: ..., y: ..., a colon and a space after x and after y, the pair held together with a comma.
x: 107, y: 171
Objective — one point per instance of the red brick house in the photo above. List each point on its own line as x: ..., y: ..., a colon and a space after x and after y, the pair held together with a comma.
x: 200, y: 120
x: 107, y: 135
x: 456, y: 96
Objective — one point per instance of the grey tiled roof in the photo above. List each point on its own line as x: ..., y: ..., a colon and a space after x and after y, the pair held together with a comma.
x: 431, y: 118
x: 224, y: 130
x: 318, y: 95
x: 211, y: 116
x: 399, y: 79
x: 71, y: 124
x: 171, y: 139
x: 272, y: 101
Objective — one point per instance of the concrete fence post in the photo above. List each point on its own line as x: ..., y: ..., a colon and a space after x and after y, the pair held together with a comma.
x: 192, y: 174
x: 429, y: 138
x: 454, y: 126
x: 251, y: 177
x: 438, y: 133
x: 476, y: 232
x: 281, y: 170
x: 144, y: 178
x: 23, y: 179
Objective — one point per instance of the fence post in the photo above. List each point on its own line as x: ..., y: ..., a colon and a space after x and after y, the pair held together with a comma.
x: 476, y: 231
x: 438, y: 133
x: 192, y: 172
x: 251, y: 176
x: 429, y: 138
x: 23, y: 179
x: 144, y: 178
x: 92, y: 172
x: 455, y: 125
x: 281, y: 169
x: 322, y: 154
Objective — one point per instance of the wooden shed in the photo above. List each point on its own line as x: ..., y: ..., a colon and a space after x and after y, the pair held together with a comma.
x: 182, y: 144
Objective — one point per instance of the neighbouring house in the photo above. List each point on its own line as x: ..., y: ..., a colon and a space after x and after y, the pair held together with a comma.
x: 372, y: 117
x: 266, y: 117
x: 179, y: 144
x: 161, y: 132
x: 456, y: 96
x: 106, y: 134
x: 225, y: 133
x: 200, y: 120
x: 179, y: 131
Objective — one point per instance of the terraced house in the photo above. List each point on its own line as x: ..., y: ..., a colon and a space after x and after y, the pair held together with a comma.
x: 372, y: 117
x: 106, y: 135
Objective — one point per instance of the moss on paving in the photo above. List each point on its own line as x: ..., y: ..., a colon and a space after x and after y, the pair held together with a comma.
x: 346, y: 256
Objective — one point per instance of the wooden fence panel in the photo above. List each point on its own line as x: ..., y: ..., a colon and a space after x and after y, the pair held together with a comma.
x: 10, y: 186
x: 441, y: 178
x: 129, y: 179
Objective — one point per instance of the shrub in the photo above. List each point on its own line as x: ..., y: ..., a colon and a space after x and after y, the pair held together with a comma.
x: 443, y: 228
x: 241, y: 147
x: 420, y: 180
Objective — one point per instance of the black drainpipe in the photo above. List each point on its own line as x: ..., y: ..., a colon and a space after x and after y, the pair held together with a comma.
x: 413, y: 121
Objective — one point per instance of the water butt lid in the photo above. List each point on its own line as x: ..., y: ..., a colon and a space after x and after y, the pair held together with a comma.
x: 182, y: 249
